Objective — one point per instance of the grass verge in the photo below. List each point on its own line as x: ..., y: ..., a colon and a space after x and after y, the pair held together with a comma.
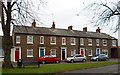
x: 54, y: 68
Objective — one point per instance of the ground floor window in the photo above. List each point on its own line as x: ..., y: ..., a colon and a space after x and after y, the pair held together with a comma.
x: 53, y: 52
x: 89, y: 52
x: 72, y: 52
x: 105, y: 51
x: 29, y: 52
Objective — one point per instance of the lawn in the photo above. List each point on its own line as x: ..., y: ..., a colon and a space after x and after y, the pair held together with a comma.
x: 54, y: 68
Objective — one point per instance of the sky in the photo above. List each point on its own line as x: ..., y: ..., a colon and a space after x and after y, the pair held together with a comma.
x: 64, y: 14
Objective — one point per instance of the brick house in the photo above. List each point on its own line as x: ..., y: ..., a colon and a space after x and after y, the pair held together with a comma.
x: 30, y: 42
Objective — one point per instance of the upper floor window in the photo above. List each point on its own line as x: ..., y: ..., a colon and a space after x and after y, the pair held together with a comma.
x: 63, y: 41
x: 104, y: 42
x: 53, y: 40
x: 41, y: 39
x: 29, y: 52
x: 89, y: 42
x: 29, y: 39
x: 72, y: 40
x: 114, y: 42
x: 97, y: 42
x: 18, y: 39
x: 81, y: 41
x: 53, y: 52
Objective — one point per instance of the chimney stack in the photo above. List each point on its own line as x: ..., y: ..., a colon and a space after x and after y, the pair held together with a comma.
x: 69, y: 27
x: 85, y: 29
x: 53, y: 25
x: 98, y: 30
x: 34, y: 23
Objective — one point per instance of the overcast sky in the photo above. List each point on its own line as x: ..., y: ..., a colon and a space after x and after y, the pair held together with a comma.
x: 64, y: 14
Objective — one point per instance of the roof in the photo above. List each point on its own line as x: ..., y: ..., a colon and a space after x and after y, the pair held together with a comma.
x: 59, y: 32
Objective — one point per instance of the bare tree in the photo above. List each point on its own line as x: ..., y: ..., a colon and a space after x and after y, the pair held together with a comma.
x: 103, y: 13
x: 15, y: 12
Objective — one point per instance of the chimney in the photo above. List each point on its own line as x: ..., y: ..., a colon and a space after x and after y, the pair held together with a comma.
x: 53, y: 25
x: 34, y: 23
x: 69, y: 27
x: 98, y: 30
x: 85, y: 29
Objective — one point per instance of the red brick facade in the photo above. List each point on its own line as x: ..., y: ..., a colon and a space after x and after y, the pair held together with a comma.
x: 36, y: 46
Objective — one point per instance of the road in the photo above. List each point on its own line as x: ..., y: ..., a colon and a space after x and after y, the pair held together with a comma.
x: 105, y: 69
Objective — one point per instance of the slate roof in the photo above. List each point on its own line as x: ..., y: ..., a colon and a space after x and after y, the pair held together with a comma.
x: 59, y: 32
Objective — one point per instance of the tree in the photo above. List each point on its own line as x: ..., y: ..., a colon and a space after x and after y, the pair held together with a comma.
x: 103, y: 13
x: 15, y: 12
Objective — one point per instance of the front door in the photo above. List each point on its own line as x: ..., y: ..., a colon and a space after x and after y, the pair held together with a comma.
x: 97, y: 51
x: 82, y: 51
x: 63, y: 53
x: 17, y: 54
x: 41, y: 52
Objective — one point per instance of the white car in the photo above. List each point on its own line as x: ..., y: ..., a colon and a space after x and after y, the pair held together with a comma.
x: 76, y: 58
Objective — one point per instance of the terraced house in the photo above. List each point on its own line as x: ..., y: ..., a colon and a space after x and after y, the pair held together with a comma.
x: 31, y: 42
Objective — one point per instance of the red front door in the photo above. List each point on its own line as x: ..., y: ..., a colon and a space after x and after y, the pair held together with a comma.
x: 82, y: 52
x: 17, y: 54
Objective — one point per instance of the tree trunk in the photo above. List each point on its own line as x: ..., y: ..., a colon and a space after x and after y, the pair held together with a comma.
x: 7, y: 44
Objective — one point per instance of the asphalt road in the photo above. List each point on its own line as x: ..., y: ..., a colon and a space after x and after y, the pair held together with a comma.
x: 105, y: 69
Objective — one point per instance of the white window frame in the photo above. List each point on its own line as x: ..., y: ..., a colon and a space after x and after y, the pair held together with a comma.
x: 54, y: 53
x: 104, y: 41
x: 97, y: 42
x: 17, y: 39
x: 31, y: 54
x: 72, y: 39
x: 52, y: 37
x: 28, y: 41
x: 105, y: 50
x: 73, y: 52
x: 81, y: 41
x: 114, y: 43
x: 91, y: 53
x: 42, y: 38
x: 63, y: 41
x: 89, y: 40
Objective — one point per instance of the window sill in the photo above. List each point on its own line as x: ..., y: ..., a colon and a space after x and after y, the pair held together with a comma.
x: 53, y: 43
x: 29, y: 56
x: 73, y: 44
x: 41, y: 43
x: 17, y: 42
x: 89, y: 44
x: 89, y: 55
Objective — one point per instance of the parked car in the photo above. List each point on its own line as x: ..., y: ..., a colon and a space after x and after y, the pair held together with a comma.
x: 48, y: 59
x: 100, y: 57
x: 76, y: 58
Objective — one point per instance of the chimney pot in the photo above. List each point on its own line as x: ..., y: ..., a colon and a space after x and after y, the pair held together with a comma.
x: 98, y: 30
x: 69, y: 27
x: 53, y: 25
x: 34, y: 23
x: 85, y: 29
